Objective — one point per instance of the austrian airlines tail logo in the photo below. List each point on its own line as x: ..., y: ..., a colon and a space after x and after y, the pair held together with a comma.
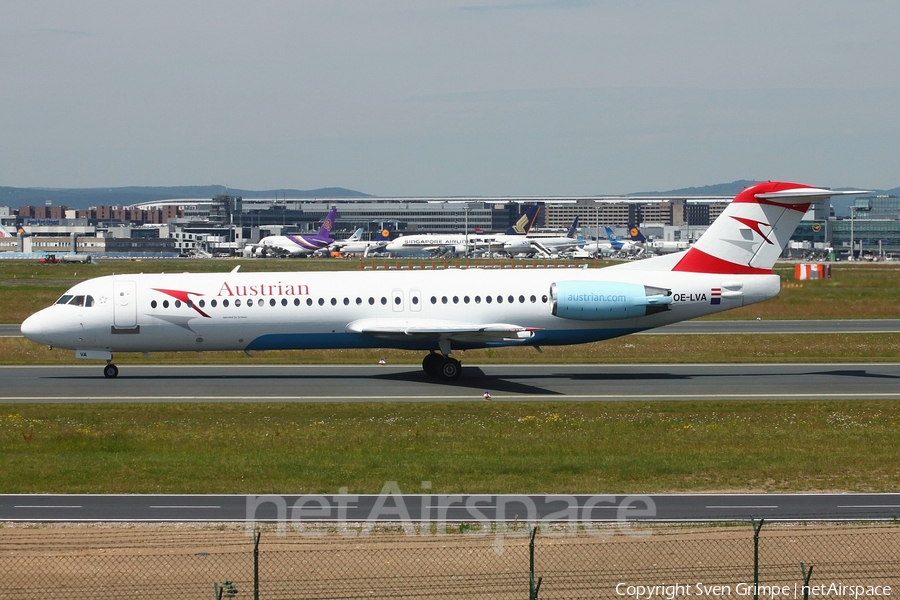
x: 755, y: 226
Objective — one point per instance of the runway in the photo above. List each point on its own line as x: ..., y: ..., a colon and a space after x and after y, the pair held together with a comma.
x: 432, y: 508
x: 408, y: 383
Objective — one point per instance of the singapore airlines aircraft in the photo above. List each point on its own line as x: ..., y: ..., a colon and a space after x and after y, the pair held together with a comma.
x: 295, y: 245
x: 437, y: 311
x: 432, y: 243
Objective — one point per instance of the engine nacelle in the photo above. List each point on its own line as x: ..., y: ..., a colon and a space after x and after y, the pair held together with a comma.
x: 605, y: 300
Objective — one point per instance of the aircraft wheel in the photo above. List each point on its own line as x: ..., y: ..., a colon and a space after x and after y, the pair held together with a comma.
x: 432, y: 364
x: 450, y: 368
x: 110, y: 371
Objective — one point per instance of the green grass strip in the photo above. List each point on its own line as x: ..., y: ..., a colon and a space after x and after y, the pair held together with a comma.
x: 478, y: 447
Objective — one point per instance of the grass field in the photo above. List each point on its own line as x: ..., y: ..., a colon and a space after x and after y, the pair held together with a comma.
x: 469, y: 447
x: 478, y: 447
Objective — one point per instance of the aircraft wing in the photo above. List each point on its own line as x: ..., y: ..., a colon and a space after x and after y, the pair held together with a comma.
x: 433, y: 329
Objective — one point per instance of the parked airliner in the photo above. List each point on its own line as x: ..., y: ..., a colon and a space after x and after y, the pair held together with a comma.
x: 632, y: 246
x: 461, y: 243
x: 295, y: 245
x: 365, y: 247
x: 546, y: 246
x: 437, y: 311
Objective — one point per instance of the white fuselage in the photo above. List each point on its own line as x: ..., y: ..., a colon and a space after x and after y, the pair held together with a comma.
x: 298, y: 310
x: 427, y: 243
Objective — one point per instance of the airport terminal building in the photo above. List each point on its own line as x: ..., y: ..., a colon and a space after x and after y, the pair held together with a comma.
x: 225, y: 224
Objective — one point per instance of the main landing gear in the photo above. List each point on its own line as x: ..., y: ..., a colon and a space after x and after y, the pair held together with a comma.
x: 110, y: 371
x: 438, y: 365
x: 441, y: 365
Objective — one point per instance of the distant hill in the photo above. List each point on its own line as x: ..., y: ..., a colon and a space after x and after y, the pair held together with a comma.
x: 123, y: 196
x: 718, y: 189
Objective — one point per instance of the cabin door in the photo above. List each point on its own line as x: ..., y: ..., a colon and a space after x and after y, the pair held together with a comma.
x: 125, y: 305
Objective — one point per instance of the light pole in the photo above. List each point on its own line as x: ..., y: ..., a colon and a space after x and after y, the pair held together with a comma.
x: 467, y: 229
x: 852, y: 210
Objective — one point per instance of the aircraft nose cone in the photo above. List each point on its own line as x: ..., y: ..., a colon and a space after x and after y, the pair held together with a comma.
x: 32, y: 328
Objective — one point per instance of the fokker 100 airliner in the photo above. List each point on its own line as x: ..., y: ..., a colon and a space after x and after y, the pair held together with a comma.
x: 437, y: 311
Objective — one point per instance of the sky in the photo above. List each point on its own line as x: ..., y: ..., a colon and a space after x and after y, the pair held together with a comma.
x: 450, y: 97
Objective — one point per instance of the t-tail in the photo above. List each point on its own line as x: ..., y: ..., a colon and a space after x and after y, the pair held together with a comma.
x: 525, y: 221
x: 752, y: 231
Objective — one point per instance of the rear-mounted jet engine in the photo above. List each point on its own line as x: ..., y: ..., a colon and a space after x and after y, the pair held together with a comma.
x: 605, y: 300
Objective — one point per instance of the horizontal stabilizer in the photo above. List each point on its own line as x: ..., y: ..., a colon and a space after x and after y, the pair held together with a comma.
x: 804, y: 195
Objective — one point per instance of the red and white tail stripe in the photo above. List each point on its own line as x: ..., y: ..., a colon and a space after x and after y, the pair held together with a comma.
x: 749, y: 236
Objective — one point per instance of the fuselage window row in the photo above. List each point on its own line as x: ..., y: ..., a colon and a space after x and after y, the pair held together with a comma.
x: 398, y: 300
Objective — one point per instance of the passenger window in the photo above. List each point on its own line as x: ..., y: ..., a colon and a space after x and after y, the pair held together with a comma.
x: 250, y: 302
x: 224, y: 302
x: 237, y: 302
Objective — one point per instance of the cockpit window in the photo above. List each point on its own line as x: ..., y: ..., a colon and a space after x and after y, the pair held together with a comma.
x: 76, y: 300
